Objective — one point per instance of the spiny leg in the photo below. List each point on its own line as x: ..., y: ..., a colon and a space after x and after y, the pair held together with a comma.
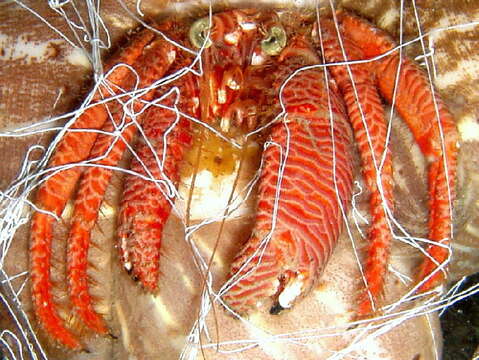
x: 366, y: 114
x: 145, y: 207
x: 151, y: 66
x: 53, y: 194
x: 416, y: 105
x: 435, y: 133
x: 89, y: 197
x: 293, y: 238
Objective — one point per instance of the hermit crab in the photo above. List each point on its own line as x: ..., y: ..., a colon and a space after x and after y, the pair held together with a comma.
x: 312, y: 94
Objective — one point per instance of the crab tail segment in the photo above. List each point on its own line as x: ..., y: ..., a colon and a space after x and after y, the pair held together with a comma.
x: 109, y: 149
x: 53, y: 194
x: 299, y: 214
x: 149, y: 194
x: 433, y: 128
x: 366, y: 114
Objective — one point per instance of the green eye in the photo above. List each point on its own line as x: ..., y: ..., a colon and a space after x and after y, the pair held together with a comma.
x: 275, y: 41
x: 198, y: 33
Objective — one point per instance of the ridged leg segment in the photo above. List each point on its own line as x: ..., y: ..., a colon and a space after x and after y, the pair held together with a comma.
x: 147, y: 198
x: 366, y: 114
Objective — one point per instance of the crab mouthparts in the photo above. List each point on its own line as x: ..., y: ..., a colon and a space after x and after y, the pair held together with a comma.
x: 225, y: 98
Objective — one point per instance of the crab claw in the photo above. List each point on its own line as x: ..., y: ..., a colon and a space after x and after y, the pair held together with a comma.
x: 305, y: 181
x: 265, y: 269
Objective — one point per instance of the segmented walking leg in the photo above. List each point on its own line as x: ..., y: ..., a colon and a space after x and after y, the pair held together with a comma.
x: 298, y: 218
x: 146, y: 204
x: 89, y: 197
x: 437, y: 136
x: 151, y: 66
x: 430, y: 122
x: 366, y: 114
x: 56, y: 190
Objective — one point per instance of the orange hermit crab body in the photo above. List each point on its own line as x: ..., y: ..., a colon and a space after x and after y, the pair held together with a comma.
x: 255, y: 71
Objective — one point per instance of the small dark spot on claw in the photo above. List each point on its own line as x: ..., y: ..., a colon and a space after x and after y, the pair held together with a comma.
x: 114, y: 337
x: 276, y: 309
x: 218, y: 160
x: 86, y: 350
x: 352, y: 327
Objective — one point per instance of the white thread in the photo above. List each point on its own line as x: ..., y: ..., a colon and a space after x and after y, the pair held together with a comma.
x: 15, y: 197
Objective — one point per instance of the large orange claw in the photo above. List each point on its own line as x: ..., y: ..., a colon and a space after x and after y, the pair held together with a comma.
x: 305, y: 181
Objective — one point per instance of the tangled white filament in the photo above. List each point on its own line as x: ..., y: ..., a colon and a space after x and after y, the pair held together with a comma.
x: 15, y: 205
